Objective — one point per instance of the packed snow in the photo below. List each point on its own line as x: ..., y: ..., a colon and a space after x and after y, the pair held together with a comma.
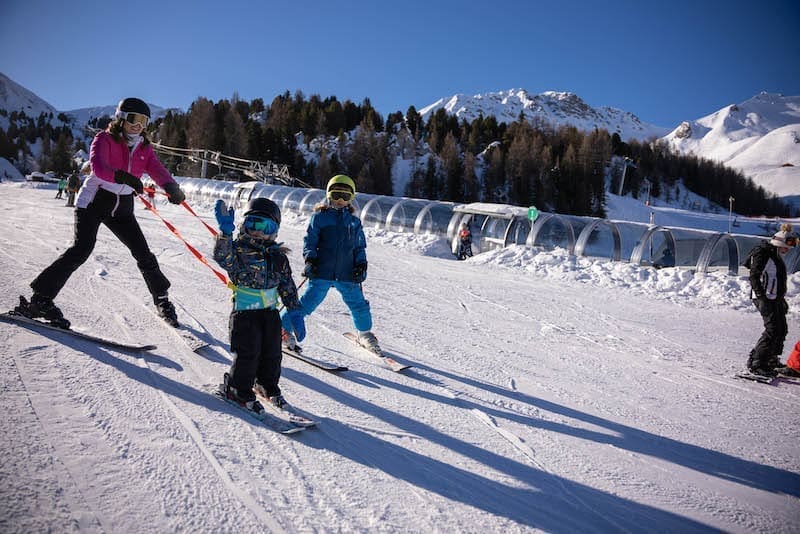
x: 760, y: 137
x: 547, y: 393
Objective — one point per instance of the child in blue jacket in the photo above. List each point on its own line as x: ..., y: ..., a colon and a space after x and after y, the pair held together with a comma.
x: 335, y: 254
x: 260, y: 274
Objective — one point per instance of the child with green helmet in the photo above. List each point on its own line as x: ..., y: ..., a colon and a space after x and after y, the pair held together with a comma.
x: 335, y: 254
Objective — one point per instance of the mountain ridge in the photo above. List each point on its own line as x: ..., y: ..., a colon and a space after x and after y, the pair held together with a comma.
x: 760, y: 136
x: 558, y: 108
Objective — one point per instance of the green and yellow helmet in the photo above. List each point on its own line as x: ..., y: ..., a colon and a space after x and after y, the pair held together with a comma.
x: 341, y: 182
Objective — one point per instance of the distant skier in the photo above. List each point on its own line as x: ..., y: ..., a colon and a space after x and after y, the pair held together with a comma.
x: 335, y: 255
x: 119, y: 156
x: 62, y: 183
x: 73, y: 184
x: 768, y: 289
x: 464, y: 242
x: 260, y: 273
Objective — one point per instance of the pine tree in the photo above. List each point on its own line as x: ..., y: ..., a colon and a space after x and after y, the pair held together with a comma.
x: 470, y: 184
x: 234, y: 134
x: 60, y: 159
x: 453, y: 170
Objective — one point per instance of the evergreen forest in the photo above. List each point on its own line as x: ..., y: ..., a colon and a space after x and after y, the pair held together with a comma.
x: 522, y: 163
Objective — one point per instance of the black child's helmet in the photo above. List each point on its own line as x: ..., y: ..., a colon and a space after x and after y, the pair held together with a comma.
x: 265, y: 208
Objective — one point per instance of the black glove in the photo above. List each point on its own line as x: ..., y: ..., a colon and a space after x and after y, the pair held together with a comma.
x: 175, y: 195
x: 360, y: 272
x: 122, y: 177
x: 310, y: 270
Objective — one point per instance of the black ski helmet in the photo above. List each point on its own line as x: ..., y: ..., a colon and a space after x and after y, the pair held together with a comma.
x: 132, y: 105
x: 265, y: 208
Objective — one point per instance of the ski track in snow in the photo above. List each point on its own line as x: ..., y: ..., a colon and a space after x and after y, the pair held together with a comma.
x: 531, y: 405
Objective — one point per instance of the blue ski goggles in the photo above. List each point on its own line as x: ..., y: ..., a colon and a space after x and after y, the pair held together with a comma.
x: 256, y: 223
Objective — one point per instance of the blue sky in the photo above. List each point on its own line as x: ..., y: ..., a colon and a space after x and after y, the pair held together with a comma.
x: 664, y: 61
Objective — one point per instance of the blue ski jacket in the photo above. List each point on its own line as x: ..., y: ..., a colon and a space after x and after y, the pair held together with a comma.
x: 335, y: 239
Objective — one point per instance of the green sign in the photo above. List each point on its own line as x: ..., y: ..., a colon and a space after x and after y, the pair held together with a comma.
x: 533, y: 213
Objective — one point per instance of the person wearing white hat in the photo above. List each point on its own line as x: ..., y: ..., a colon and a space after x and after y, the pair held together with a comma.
x: 768, y: 289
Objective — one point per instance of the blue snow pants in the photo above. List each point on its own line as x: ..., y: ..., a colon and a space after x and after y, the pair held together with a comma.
x: 316, y: 291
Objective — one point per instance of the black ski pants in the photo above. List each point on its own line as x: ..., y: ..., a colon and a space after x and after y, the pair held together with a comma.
x: 256, y: 348
x: 770, y: 344
x: 116, y: 212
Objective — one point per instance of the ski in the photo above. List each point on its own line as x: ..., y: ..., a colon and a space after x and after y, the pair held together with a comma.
x: 755, y: 378
x: 326, y: 366
x: 386, y: 361
x: 788, y: 378
x: 17, y: 318
x: 192, y: 341
x: 287, y: 414
x: 273, y: 422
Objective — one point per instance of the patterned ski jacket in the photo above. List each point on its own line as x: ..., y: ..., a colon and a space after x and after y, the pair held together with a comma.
x: 767, y: 272
x: 259, y: 272
x: 335, y: 239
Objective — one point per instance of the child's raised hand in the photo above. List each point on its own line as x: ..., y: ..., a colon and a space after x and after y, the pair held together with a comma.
x: 224, y: 216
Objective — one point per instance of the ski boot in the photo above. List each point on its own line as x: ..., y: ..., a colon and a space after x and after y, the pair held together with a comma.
x: 247, y: 402
x: 289, y: 342
x: 275, y: 400
x: 369, y: 341
x: 773, y: 362
x: 43, y: 307
x: 763, y: 371
x: 166, y: 310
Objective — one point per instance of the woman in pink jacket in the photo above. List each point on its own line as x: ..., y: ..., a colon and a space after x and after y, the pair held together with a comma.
x: 119, y: 156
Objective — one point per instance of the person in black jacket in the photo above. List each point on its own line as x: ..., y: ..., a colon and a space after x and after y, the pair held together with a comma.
x: 768, y: 289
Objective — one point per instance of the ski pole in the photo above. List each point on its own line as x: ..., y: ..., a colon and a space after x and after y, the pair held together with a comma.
x: 196, y: 253
x: 298, y: 288
x: 211, y: 229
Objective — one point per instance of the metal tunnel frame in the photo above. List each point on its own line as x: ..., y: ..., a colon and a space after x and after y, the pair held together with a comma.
x: 586, y: 233
x: 497, y: 225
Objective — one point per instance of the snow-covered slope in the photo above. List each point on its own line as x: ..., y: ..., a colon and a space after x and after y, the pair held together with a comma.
x: 760, y: 137
x: 14, y: 97
x: 547, y: 394
x: 9, y: 173
x: 556, y: 108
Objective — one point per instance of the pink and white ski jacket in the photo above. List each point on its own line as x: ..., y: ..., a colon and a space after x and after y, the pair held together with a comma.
x: 108, y: 155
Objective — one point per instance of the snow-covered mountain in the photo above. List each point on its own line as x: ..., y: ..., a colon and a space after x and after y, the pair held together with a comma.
x: 556, y: 108
x: 760, y: 137
x: 14, y: 97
